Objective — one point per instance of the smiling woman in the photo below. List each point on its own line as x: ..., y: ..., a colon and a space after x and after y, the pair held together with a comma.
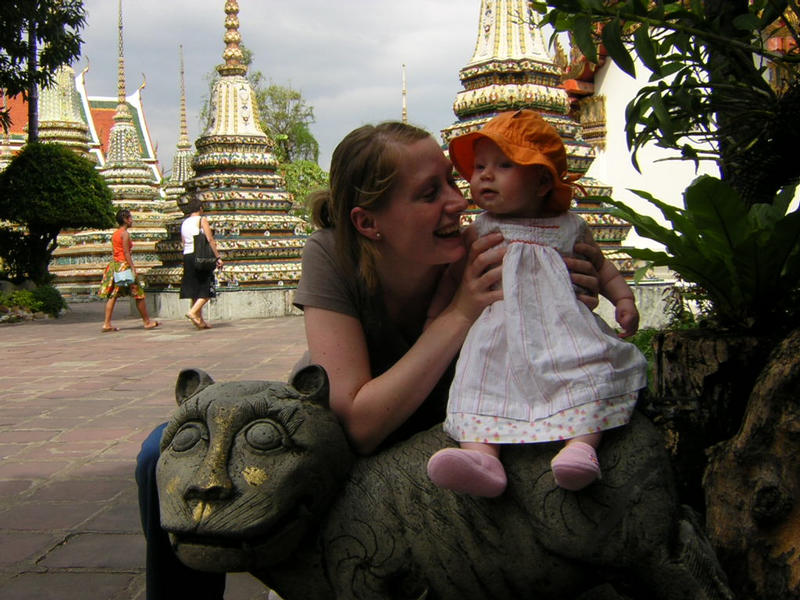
x: 387, y: 234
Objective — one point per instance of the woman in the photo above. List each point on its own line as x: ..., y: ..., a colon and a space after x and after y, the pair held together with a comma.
x: 389, y: 229
x: 121, y: 260
x: 196, y: 285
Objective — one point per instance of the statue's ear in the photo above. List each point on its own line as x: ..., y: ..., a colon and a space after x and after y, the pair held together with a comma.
x: 190, y: 381
x: 312, y: 382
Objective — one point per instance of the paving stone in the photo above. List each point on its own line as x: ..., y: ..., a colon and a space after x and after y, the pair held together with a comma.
x: 18, y: 547
x: 68, y: 586
x: 70, y: 430
x: 98, y: 551
x: 47, y: 516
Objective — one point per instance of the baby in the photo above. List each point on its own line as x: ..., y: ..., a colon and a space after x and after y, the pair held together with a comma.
x: 537, y: 366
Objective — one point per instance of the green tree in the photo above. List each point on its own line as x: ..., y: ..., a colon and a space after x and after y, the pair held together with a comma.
x: 46, y: 188
x: 36, y: 38
x: 286, y: 117
x: 283, y: 114
x: 303, y: 177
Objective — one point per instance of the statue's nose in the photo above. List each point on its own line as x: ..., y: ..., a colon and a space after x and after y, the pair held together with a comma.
x: 211, y: 482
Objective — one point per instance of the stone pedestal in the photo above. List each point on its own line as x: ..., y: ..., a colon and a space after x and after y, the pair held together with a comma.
x: 230, y: 304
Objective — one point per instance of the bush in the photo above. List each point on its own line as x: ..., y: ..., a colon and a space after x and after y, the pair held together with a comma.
x: 51, y: 300
x: 46, y: 299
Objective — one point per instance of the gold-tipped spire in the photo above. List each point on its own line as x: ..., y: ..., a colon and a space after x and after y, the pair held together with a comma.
x: 122, y: 107
x: 234, y: 59
x: 183, y: 140
x: 405, y: 108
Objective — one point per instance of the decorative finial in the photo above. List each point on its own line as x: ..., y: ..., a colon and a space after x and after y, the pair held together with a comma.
x: 234, y: 59
x: 183, y: 141
x: 405, y: 109
x: 122, y: 107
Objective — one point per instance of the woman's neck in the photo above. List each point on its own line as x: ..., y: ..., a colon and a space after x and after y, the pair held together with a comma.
x: 407, y: 291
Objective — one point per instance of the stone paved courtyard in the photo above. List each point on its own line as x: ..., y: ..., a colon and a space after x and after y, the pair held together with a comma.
x: 75, y: 404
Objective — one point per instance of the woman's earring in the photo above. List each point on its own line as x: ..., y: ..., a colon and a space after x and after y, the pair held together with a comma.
x: 378, y: 235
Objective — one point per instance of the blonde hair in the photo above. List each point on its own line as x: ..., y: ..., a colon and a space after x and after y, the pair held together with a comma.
x: 363, y: 174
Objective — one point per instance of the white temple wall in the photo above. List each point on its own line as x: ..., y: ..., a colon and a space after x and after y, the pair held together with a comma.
x: 665, y: 180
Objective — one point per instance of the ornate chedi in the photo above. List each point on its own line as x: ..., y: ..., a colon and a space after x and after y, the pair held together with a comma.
x: 511, y: 69
x: 244, y: 197
x: 60, y: 117
x: 181, y: 161
x: 82, y: 256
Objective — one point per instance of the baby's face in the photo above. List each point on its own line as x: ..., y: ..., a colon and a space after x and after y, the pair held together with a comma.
x: 503, y: 187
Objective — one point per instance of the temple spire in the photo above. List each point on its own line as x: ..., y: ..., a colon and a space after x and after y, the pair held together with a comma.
x: 405, y: 108
x: 505, y: 33
x: 232, y: 55
x: 122, y: 107
x: 183, y: 141
x: 182, y: 159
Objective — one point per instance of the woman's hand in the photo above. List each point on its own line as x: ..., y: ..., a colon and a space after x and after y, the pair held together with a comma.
x: 480, y: 282
x: 584, y: 272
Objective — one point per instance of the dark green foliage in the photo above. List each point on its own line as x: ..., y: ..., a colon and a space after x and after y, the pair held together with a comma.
x: 50, y: 300
x: 708, y: 97
x: 286, y: 117
x: 14, y: 252
x: 46, y: 299
x: 303, y: 177
x: 746, y: 259
x: 46, y: 188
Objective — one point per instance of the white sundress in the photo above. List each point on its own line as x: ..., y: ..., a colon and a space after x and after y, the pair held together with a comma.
x: 539, y: 365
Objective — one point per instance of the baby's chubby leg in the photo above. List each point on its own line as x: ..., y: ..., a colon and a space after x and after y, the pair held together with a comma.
x: 576, y: 466
x: 473, y: 469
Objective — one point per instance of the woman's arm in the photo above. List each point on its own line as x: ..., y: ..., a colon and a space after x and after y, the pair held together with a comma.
x: 126, y: 250
x: 370, y: 409
x: 210, y: 237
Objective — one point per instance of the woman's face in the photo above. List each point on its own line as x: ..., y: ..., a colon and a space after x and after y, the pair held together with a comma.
x: 420, y: 225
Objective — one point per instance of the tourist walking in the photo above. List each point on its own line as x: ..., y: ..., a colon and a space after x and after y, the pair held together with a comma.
x: 197, y: 284
x: 126, y: 282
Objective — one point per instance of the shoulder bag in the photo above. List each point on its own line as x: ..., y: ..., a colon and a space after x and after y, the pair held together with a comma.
x: 204, y: 258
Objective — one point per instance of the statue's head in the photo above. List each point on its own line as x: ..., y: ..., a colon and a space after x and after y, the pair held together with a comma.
x: 247, y: 468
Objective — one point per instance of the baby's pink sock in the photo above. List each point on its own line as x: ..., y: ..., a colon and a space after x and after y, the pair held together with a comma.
x: 576, y: 466
x: 467, y: 471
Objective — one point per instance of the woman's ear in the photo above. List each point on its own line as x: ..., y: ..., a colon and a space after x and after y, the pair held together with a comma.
x: 364, y: 222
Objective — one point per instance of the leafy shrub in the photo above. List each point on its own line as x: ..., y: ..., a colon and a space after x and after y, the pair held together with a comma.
x: 45, y: 299
x: 23, y: 299
x: 50, y: 298
x: 746, y: 259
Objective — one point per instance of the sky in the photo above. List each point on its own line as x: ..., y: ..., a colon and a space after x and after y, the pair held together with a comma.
x: 344, y: 57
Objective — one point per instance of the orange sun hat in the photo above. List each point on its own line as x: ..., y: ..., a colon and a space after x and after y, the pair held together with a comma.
x: 527, y: 139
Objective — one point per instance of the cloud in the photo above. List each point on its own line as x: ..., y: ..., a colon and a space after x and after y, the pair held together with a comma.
x: 345, y: 57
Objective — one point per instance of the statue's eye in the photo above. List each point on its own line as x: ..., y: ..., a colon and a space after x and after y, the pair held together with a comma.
x: 187, y: 436
x: 264, y: 435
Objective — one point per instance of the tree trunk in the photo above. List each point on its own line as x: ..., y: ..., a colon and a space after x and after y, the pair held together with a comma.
x: 753, y: 485
x: 33, y: 90
x: 702, y: 381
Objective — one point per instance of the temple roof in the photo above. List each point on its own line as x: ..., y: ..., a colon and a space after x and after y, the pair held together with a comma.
x: 101, y: 111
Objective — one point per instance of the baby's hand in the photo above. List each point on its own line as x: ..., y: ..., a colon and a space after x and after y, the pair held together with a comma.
x: 627, y: 316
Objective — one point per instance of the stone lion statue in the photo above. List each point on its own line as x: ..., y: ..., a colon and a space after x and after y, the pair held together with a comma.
x: 258, y: 476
